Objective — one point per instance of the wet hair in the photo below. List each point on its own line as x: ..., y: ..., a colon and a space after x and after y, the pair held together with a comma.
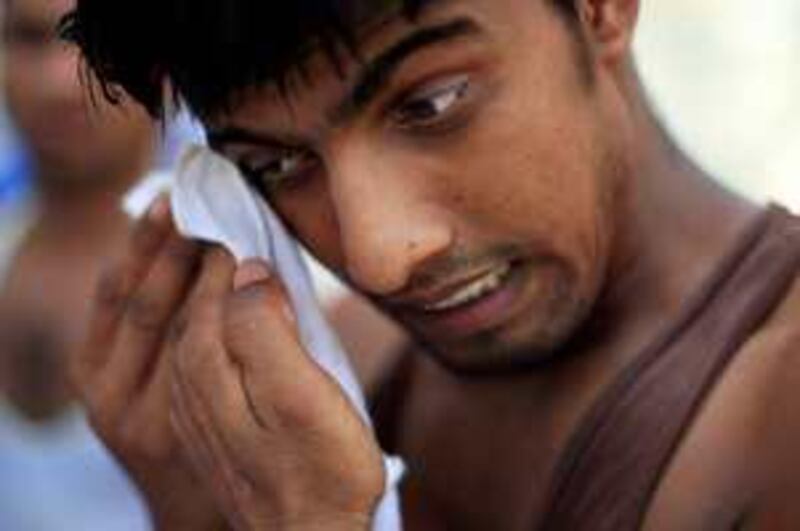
x: 211, y: 51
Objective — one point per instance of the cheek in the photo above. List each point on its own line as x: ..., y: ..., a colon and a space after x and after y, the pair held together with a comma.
x: 514, y: 176
x: 529, y: 172
x: 309, y: 214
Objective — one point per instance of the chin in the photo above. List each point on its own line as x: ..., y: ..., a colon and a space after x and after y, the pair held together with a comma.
x: 535, y: 347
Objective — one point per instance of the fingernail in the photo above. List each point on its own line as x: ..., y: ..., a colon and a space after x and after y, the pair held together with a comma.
x: 159, y: 210
x: 250, y: 272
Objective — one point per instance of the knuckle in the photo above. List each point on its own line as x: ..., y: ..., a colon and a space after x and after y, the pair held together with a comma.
x: 260, y: 311
x: 248, y: 309
x: 239, y: 323
x: 182, y: 252
x: 146, y: 235
x: 217, y: 256
x: 110, y: 291
x: 294, y: 413
x: 194, y: 350
x: 178, y: 328
x: 147, y: 313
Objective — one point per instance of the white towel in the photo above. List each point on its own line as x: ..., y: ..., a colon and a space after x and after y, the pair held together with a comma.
x: 212, y: 202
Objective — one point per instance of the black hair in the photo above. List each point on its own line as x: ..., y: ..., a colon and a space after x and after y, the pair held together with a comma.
x: 210, y: 51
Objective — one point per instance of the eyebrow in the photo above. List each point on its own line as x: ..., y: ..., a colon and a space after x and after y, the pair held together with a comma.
x: 377, y: 72
x: 374, y: 76
x: 218, y: 139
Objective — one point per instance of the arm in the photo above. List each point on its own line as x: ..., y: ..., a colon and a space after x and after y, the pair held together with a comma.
x: 777, y: 506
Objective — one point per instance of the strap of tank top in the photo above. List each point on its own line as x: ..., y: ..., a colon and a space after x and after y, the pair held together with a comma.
x: 611, y: 468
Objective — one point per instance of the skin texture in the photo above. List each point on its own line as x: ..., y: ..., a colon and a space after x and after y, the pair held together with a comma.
x: 447, y: 222
x: 541, y: 152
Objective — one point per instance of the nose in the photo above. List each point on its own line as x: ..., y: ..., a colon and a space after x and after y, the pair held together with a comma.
x: 389, y: 225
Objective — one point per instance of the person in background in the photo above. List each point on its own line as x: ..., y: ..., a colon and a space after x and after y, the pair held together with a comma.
x: 54, y: 473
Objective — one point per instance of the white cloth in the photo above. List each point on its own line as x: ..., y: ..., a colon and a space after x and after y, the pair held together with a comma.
x: 57, y: 475
x: 212, y: 202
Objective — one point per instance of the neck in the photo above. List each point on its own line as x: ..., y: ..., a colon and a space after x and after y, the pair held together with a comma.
x: 673, y: 224
x: 673, y: 221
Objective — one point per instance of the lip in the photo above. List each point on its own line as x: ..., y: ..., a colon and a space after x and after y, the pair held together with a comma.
x: 420, y: 300
x: 480, y: 315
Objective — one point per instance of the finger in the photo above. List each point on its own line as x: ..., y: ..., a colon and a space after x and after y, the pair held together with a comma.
x: 199, y: 356
x: 201, y: 310
x: 146, y: 321
x: 118, y: 282
x: 191, y: 439
x: 213, y: 284
x: 260, y: 333
x: 259, y: 317
x: 215, y: 384
x: 199, y: 353
x: 148, y: 422
x: 200, y: 361
x: 204, y: 447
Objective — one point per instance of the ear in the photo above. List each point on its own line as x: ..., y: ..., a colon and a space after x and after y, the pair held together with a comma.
x: 610, y: 26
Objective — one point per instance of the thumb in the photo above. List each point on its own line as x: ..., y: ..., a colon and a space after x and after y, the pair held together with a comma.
x: 259, y: 320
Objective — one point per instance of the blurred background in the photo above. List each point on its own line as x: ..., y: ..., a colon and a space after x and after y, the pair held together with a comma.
x: 726, y: 76
x: 723, y: 75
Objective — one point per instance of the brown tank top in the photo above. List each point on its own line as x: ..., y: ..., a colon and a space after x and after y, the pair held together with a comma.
x: 613, y: 464
x: 609, y: 471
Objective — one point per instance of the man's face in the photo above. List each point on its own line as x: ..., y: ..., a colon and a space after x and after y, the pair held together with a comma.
x: 66, y: 135
x: 459, y: 175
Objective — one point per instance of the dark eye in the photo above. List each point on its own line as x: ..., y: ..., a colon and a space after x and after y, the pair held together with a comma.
x: 432, y: 103
x: 278, y: 170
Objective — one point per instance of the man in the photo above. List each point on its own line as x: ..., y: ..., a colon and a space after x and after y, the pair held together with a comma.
x: 604, y: 337
x: 55, y: 473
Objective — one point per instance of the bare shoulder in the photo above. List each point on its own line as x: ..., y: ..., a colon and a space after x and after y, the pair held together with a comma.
x: 739, y: 465
x: 777, y: 458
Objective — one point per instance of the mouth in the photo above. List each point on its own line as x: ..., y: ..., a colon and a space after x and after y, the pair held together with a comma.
x: 479, y: 304
x: 475, y: 290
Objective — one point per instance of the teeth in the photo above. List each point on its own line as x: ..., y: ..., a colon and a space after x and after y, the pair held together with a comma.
x: 472, y: 292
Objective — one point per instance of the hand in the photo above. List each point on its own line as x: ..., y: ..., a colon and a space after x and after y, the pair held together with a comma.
x: 123, y: 372
x: 267, y: 429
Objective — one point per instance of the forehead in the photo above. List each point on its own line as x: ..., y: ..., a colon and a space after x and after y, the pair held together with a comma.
x: 319, y: 80
x: 45, y: 12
